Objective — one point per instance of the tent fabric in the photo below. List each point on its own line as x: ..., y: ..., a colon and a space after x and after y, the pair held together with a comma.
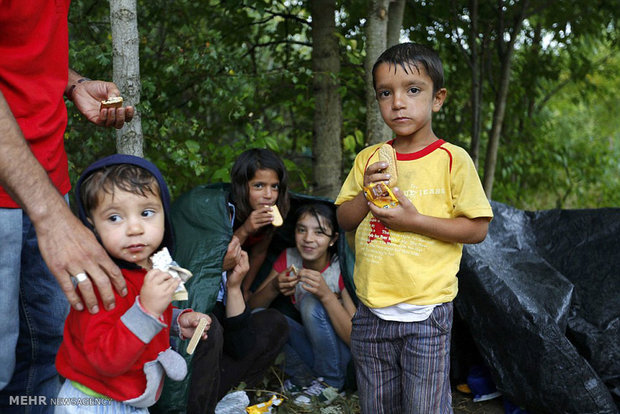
x: 540, y: 296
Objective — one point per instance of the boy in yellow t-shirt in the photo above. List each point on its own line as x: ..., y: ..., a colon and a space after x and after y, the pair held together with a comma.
x: 407, y: 255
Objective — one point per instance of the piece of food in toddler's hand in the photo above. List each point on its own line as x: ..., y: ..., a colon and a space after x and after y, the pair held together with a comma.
x: 387, y: 153
x: 294, y: 270
x: 112, y: 102
x: 277, y: 217
x: 191, y: 347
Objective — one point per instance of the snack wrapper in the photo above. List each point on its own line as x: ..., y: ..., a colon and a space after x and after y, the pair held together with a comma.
x: 163, y: 261
x: 264, y: 407
x: 380, y: 195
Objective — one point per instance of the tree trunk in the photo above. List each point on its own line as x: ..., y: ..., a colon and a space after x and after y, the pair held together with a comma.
x: 476, y: 85
x: 376, y: 38
x: 327, y: 145
x: 506, y: 51
x: 126, y: 74
x: 395, y: 21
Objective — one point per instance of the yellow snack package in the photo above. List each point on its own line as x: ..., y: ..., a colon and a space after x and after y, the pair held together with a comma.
x: 264, y: 407
x: 380, y: 195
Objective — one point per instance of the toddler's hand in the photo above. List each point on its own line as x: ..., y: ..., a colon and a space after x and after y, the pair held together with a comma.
x: 157, y: 290
x: 374, y: 173
x: 188, y: 322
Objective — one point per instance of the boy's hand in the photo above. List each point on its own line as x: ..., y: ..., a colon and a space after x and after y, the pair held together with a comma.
x: 374, y: 173
x: 157, y: 290
x: 236, y: 276
x: 188, y: 322
x: 286, y: 281
x: 401, y: 217
x: 314, y: 283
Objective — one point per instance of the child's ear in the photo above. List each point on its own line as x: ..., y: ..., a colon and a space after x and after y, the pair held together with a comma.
x: 334, y: 239
x: 439, y: 98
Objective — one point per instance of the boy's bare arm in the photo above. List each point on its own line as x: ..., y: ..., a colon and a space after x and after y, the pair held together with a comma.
x: 351, y: 213
x: 405, y: 217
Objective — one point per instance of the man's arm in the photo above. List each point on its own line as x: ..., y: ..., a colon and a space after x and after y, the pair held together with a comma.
x: 66, y: 245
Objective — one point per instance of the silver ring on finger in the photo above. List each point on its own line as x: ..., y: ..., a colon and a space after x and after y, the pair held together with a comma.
x: 80, y: 277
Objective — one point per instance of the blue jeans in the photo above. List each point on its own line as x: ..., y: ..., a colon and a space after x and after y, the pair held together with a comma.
x: 403, y: 367
x: 32, y: 313
x: 314, y: 349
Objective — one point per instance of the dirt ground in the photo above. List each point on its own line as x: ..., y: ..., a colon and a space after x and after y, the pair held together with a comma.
x: 463, y: 404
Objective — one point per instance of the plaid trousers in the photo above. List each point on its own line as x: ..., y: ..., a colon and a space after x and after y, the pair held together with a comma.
x: 403, y: 367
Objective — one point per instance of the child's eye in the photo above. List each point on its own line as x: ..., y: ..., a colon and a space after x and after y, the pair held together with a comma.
x: 258, y: 185
x: 383, y: 94
x: 114, y: 218
x: 148, y: 213
x: 414, y: 89
x: 276, y: 186
x: 300, y: 230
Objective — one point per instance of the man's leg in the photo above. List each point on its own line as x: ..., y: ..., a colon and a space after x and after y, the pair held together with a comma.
x: 426, y: 364
x: 376, y: 347
x: 10, y: 259
x: 43, y: 308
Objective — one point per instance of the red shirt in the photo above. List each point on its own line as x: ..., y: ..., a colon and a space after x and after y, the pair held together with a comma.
x: 34, y: 64
x: 100, y: 352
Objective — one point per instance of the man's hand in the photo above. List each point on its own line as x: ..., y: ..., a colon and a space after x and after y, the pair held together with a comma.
x: 87, y: 97
x: 69, y: 248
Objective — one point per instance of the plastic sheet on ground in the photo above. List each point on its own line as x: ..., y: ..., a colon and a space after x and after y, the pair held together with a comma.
x: 541, y: 297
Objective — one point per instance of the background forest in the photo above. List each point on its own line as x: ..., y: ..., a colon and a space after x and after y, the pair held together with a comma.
x: 532, y: 89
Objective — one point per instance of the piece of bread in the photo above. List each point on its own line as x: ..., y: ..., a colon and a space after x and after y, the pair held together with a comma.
x: 277, y: 217
x: 387, y: 153
x: 113, y: 102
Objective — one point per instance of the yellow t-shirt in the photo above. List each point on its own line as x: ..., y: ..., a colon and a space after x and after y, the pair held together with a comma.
x: 402, y: 267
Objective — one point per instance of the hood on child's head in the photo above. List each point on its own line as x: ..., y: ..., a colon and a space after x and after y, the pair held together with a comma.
x: 168, y: 240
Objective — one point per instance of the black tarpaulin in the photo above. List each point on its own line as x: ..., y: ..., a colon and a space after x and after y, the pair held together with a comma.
x: 541, y: 297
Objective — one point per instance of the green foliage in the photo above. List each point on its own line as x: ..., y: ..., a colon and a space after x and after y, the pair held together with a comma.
x: 221, y: 77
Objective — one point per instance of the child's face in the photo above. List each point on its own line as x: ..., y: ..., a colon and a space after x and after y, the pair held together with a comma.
x: 406, y: 100
x: 263, y: 189
x: 131, y: 227
x: 310, y: 240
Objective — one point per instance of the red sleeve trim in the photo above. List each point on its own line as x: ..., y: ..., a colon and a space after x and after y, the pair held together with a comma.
x: 280, y: 264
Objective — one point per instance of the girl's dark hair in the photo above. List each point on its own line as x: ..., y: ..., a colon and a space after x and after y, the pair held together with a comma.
x: 125, y: 177
x: 243, y: 171
x: 329, y: 214
x: 407, y: 55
